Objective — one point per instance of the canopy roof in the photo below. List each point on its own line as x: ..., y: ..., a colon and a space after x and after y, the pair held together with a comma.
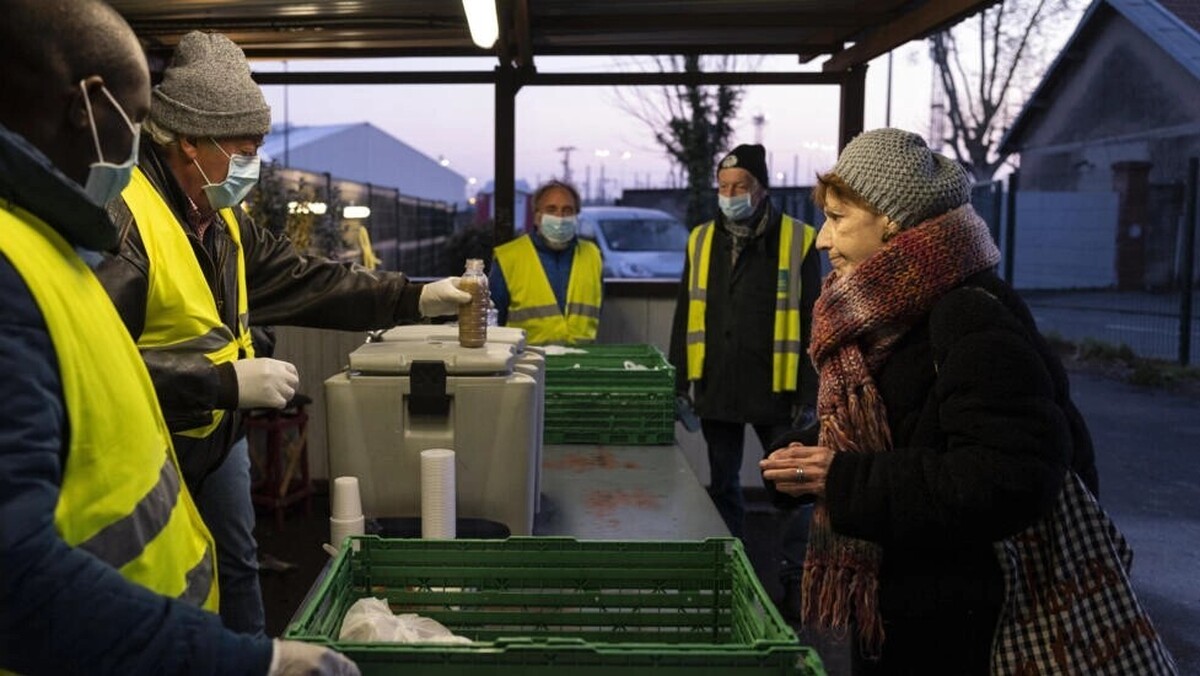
x: 843, y: 34
x: 848, y: 32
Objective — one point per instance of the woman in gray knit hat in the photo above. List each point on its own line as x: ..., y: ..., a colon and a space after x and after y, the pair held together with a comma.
x: 946, y: 428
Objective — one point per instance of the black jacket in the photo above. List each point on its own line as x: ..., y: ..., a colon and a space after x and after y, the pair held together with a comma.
x: 283, y: 287
x: 739, y: 326
x: 983, y: 430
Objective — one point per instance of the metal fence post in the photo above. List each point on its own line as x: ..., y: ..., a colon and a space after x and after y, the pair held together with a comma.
x: 1010, y: 232
x: 1189, y: 255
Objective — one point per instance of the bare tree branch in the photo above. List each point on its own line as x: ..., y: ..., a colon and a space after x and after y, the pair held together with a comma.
x: 690, y: 123
x: 1009, y: 39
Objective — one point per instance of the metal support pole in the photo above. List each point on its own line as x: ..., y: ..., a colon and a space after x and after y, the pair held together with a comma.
x: 1010, y: 232
x: 400, y: 259
x: 1186, y: 272
x: 504, y: 196
x: 853, y: 105
x: 997, y: 210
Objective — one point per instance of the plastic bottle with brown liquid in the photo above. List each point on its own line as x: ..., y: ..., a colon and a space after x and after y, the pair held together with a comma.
x: 473, y: 316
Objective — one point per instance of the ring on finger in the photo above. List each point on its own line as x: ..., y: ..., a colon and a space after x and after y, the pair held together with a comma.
x: 799, y: 474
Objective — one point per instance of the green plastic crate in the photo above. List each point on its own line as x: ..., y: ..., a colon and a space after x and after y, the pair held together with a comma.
x: 633, y: 418
x: 592, y: 398
x: 603, y: 367
x: 543, y: 606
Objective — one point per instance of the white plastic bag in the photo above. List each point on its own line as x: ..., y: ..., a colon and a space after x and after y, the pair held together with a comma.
x: 371, y: 620
x: 559, y: 350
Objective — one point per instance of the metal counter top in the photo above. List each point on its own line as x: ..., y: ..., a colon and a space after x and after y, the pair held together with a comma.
x: 623, y: 493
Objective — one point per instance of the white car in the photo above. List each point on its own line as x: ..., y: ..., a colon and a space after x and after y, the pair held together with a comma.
x: 636, y: 242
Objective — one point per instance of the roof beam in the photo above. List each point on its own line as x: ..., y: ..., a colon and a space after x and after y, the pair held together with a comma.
x: 341, y: 50
x: 544, y: 79
x: 287, y: 25
x: 504, y: 17
x: 661, y: 48
x: 745, y: 21
x: 654, y: 79
x: 926, y: 19
x: 522, y: 33
x: 375, y: 78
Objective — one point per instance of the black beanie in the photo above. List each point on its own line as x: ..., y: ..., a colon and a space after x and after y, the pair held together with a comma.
x: 751, y: 157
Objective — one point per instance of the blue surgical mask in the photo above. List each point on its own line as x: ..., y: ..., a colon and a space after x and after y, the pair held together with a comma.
x: 736, y: 208
x: 241, y: 179
x: 558, y: 229
x: 106, y: 180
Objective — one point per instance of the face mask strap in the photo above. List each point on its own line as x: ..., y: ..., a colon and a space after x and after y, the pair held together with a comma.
x: 134, y: 129
x: 121, y: 111
x: 202, y: 174
x: 218, y: 145
x: 87, y: 103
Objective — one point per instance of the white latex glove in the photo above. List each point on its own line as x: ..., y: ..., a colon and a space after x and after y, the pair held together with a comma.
x: 265, y: 383
x: 293, y: 658
x: 442, y: 298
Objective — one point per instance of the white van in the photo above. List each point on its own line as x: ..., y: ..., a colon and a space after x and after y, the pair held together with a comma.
x: 636, y: 242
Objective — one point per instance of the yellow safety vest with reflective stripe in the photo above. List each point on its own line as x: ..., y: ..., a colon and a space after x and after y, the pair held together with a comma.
x: 121, y: 497
x: 532, y: 305
x: 795, y: 240
x: 181, y: 313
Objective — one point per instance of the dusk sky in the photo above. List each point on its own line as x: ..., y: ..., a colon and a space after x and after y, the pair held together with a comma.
x: 455, y: 121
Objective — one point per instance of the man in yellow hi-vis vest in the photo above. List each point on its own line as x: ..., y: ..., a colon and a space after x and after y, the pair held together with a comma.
x: 193, y: 272
x: 105, y: 565
x: 740, y: 337
x: 550, y: 282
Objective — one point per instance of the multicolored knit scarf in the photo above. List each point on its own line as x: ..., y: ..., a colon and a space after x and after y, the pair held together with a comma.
x: 856, y: 322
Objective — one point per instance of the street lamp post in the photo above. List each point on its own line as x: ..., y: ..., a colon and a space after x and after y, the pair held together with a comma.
x: 603, y: 154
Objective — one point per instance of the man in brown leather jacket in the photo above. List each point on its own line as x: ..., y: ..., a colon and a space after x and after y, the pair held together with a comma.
x: 192, y: 272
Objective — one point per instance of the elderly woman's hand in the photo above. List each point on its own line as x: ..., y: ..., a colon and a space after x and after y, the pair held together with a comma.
x: 798, y: 469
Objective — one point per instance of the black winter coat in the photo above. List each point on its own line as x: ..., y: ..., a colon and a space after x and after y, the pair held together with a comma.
x: 740, y: 324
x: 983, y: 431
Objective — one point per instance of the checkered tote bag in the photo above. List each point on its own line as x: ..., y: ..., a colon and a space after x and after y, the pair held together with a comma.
x: 1069, y: 605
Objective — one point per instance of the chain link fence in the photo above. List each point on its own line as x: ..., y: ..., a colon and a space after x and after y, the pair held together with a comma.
x: 344, y: 219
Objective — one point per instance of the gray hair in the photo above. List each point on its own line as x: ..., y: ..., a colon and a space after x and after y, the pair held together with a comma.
x: 158, y: 133
x: 555, y: 184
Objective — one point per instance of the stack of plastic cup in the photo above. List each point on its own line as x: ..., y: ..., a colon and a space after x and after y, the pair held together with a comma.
x: 439, y: 515
x: 346, y: 509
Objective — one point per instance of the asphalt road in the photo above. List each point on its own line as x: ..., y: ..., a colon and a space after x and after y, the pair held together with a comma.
x: 1148, y: 453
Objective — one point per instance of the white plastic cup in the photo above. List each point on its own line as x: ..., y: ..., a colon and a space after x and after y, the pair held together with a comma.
x: 439, y: 518
x: 345, y: 502
x: 340, y: 528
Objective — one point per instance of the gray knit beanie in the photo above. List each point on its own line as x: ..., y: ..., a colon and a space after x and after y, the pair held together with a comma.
x: 207, y: 91
x: 899, y: 175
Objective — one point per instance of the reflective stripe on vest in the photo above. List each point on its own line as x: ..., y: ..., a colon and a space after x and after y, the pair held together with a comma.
x: 532, y: 305
x: 181, y: 313
x: 786, y: 340
x: 121, y: 496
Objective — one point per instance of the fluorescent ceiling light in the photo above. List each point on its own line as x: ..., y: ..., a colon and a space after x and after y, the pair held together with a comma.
x: 481, y: 17
x: 356, y: 212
